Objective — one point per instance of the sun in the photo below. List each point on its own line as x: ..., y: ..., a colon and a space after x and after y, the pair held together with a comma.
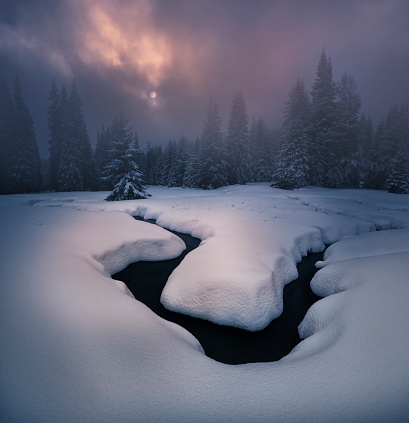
x: 152, y: 94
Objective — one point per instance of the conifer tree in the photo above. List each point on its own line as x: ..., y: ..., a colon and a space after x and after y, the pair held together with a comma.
x: 391, y: 144
x: 396, y: 153
x: 54, y: 128
x: 79, y: 138
x: 213, y: 163
x: 261, y: 153
x: 364, y: 149
x: 345, y: 170
x: 375, y: 176
x: 192, y: 173
x: 152, y: 160
x: 253, y: 150
x: 169, y: 163
x: 71, y: 157
x: 398, y: 180
x: 6, y: 134
x: 324, y: 116
x: 122, y: 170
x: 69, y: 174
x: 181, y: 160
x: 25, y: 158
x: 238, y: 141
x: 102, y: 156
x: 292, y: 169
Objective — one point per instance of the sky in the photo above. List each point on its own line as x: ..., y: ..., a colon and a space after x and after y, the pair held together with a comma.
x: 160, y: 62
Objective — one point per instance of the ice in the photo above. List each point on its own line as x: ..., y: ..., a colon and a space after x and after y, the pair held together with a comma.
x: 75, y: 346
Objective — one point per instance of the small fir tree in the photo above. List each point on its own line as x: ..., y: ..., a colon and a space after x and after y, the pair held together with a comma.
x: 122, y: 170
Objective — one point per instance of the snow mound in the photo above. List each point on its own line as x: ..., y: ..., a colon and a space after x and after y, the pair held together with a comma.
x: 371, y: 244
x: 236, y: 276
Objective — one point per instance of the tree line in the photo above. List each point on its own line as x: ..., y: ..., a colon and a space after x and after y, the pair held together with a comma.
x: 20, y: 166
x: 324, y: 141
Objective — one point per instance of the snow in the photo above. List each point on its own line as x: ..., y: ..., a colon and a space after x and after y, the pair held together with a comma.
x: 75, y: 345
x: 371, y: 244
x: 237, y: 275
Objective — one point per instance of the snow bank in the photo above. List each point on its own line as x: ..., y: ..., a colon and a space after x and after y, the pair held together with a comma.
x: 370, y: 244
x: 74, y: 347
x: 236, y: 276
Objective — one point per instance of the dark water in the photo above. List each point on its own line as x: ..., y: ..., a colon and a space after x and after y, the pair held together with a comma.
x: 222, y: 343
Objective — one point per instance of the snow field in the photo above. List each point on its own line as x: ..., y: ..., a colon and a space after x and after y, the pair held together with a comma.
x: 76, y: 347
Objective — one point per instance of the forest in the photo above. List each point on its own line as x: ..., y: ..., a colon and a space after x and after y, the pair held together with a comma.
x: 325, y: 141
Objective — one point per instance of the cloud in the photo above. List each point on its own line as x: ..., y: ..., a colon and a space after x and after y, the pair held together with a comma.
x: 188, y: 51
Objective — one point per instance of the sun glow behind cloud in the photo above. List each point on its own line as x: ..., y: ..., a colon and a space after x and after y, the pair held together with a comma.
x: 124, y: 39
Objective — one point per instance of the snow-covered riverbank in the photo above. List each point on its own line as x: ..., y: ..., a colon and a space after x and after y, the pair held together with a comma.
x: 76, y: 347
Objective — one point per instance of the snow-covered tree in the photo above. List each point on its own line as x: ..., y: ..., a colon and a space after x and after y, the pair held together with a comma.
x: 192, y: 174
x: 169, y: 165
x: 324, y: 115
x: 69, y: 177
x: 398, y: 180
x: 364, y: 150
x: 101, y: 156
x: 25, y: 158
x: 181, y: 157
x: 71, y: 157
x: 238, y: 141
x: 393, y: 143
x: 54, y: 128
x: 345, y: 170
x: 152, y: 162
x: 79, y: 136
x: 292, y: 170
x: 395, y: 150
x: 213, y: 160
x: 122, y: 170
x: 260, y: 152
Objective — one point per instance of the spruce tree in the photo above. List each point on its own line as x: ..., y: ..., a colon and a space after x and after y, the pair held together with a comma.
x: 152, y: 160
x: 102, y: 157
x: 169, y: 165
x: 397, y: 166
x: 292, y: 170
x: 375, y: 177
x: 260, y: 152
x: 25, y: 159
x: 79, y: 138
x: 6, y: 134
x: 213, y: 162
x: 364, y: 150
x: 192, y: 174
x: 122, y: 170
x: 181, y: 160
x: 398, y: 180
x: 346, y: 167
x: 324, y: 114
x: 54, y: 129
x: 392, y: 144
x: 238, y: 141
x: 69, y: 174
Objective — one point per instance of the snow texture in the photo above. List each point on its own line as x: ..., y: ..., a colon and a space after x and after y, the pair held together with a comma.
x: 75, y: 345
